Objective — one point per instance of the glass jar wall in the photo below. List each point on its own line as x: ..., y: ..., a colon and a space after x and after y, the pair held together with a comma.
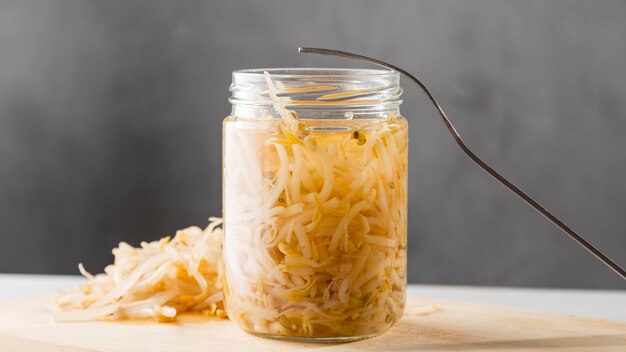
x: 315, y: 203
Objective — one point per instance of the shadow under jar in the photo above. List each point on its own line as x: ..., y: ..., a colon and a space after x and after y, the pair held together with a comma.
x: 315, y: 203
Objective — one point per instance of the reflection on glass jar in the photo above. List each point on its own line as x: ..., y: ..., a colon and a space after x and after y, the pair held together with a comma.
x: 315, y: 203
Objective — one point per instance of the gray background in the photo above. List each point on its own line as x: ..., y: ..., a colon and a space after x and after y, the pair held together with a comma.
x: 110, y: 122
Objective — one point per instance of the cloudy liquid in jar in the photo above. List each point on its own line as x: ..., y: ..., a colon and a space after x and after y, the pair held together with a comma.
x: 315, y: 220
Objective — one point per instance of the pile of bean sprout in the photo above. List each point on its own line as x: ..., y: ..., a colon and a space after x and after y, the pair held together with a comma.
x: 157, y: 280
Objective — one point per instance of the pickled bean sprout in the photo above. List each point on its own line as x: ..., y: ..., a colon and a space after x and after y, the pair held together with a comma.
x: 317, y: 246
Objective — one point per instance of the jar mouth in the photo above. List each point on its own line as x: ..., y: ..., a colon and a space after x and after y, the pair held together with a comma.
x: 316, y: 91
x: 308, y: 72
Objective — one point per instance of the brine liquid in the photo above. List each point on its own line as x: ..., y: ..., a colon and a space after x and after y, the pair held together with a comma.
x: 315, y: 221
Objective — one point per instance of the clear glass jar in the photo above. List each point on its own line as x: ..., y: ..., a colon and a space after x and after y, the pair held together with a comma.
x: 315, y: 203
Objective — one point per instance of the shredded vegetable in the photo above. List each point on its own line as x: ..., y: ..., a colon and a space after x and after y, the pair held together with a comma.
x: 157, y: 280
x: 315, y: 223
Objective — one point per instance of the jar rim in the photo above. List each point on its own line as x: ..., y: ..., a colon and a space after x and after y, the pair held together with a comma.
x: 315, y: 92
x: 283, y: 72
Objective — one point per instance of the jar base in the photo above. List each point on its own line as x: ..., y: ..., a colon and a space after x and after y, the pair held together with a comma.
x: 338, y: 339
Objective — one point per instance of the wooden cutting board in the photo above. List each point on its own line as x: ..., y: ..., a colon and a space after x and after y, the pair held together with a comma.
x: 28, y: 326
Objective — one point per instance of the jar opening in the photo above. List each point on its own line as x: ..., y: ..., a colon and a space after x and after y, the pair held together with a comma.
x: 313, y: 72
x: 317, y: 92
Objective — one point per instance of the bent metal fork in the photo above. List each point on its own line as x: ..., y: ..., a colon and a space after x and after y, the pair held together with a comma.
x: 575, y: 236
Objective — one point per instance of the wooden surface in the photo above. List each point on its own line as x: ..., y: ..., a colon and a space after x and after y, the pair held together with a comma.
x: 28, y: 326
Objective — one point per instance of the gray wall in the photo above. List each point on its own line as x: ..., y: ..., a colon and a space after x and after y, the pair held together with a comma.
x: 110, y: 117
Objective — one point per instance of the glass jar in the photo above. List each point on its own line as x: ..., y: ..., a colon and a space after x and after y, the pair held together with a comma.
x: 315, y: 203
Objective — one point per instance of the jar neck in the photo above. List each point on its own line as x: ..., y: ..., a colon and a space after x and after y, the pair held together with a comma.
x: 316, y: 93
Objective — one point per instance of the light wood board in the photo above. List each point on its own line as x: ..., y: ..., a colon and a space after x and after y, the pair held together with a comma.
x: 28, y: 326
